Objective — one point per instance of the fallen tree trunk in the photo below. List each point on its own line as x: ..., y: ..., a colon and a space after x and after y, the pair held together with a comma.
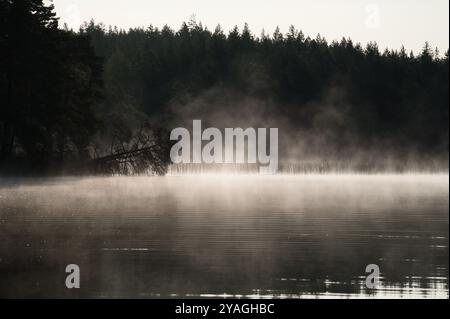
x: 145, y: 160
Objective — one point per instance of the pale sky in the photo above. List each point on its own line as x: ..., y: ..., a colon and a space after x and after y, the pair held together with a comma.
x: 391, y: 23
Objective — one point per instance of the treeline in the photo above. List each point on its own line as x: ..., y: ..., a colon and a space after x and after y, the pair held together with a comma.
x: 68, y: 97
x: 56, y: 116
x: 50, y: 84
x: 345, y: 98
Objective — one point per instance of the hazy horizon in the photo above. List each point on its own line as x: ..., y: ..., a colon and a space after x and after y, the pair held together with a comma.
x: 389, y: 23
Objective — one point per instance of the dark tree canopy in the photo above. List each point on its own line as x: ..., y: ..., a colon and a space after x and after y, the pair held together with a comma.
x: 391, y: 101
x: 51, y: 82
x: 73, y: 96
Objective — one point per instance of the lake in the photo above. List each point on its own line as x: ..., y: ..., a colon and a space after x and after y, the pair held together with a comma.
x: 299, y: 236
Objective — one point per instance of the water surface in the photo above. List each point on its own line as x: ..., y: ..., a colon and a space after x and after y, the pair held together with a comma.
x: 225, y: 236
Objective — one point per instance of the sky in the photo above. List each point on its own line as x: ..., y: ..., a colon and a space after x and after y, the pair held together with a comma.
x: 391, y: 23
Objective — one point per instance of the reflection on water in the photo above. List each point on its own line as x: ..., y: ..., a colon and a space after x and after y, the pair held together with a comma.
x: 237, y: 236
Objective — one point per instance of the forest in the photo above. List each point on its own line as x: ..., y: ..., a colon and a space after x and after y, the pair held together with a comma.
x: 103, y: 100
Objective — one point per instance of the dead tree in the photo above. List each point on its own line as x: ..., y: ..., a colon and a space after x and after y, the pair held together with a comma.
x: 146, y: 152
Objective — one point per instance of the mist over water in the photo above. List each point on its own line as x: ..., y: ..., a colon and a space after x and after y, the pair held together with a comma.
x: 222, y: 236
x: 322, y: 136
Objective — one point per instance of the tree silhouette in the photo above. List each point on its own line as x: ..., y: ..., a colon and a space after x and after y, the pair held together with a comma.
x: 56, y: 110
x: 51, y: 81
